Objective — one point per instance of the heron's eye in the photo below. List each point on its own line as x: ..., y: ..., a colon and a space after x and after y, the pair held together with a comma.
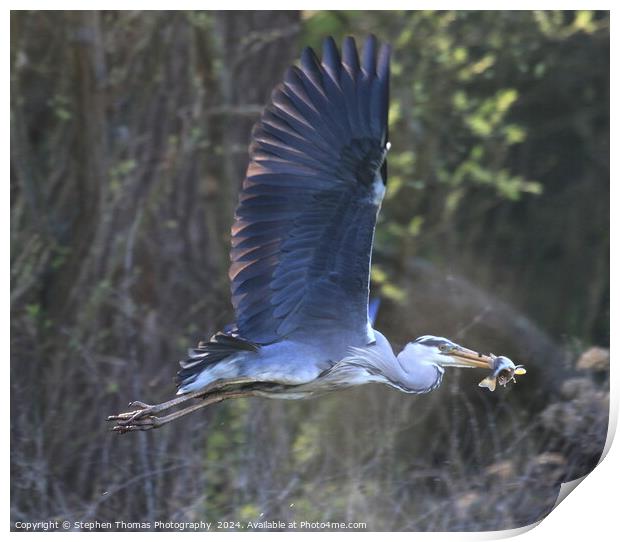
x: 444, y: 347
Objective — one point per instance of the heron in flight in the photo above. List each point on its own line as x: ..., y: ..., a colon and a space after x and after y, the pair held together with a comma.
x: 301, y: 253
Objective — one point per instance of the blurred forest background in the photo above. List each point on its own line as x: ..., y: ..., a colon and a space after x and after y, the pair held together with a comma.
x: 129, y: 134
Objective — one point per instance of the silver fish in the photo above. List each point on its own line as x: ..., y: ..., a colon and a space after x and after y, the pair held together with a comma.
x: 504, y: 371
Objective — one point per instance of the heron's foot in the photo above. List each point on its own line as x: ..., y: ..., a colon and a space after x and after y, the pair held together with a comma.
x: 143, y: 411
x: 143, y: 417
x: 141, y: 424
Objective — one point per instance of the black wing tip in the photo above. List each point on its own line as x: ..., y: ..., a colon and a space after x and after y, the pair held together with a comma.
x: 372, y: 46
x: 331, y: 56
x: 349, y: 41
x: 329, y: 43
x: 309, y: 58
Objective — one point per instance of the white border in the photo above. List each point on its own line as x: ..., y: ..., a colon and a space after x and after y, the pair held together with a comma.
x: 591, y: 511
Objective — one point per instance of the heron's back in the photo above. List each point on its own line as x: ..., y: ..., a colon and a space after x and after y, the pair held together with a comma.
x: 287, y: 362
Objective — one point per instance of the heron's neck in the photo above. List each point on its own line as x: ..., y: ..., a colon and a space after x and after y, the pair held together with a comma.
x: 422, y: 374
x: 411, y: 374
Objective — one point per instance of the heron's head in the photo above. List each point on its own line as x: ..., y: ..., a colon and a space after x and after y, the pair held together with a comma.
x: 425, y: 358
x: 446, y: 353
x: 423, y: 361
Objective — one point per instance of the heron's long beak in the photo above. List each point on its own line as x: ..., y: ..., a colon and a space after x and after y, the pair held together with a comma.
x: 464, y: 357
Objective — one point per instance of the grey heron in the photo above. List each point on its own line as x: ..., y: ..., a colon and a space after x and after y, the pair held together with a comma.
x: 301, y: 252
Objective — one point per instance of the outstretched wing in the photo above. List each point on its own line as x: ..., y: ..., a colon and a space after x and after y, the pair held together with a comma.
x: 304, y: 227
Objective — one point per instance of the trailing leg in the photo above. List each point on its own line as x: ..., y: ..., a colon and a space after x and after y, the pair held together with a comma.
x: 143, y: 410
x: 144, y: 423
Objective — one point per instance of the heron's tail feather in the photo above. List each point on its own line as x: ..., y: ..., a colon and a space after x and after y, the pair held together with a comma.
x: 217, y: 348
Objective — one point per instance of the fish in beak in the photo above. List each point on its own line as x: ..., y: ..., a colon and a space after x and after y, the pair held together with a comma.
x: 503, y: 370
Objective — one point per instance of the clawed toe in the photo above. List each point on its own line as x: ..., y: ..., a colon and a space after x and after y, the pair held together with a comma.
x: 141, y: 419
x: 122, y: 416
x: 144, y: 417
x: 140, y: 405
x: 143, y: 424
x: 126, y: 418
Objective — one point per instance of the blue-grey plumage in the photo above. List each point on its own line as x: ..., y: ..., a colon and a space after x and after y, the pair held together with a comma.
x: 303, y: 230
x: 301, y: 250
x: 291, y: 369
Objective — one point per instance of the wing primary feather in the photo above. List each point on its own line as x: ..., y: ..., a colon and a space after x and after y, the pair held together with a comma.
x: 302, y: 238
x: 369, y: 55
x: 331, y: 59
x: 349, y: 55
x: 311, y: 67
